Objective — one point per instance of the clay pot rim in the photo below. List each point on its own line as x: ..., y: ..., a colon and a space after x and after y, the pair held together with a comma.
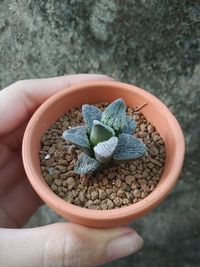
x: 156, y: 196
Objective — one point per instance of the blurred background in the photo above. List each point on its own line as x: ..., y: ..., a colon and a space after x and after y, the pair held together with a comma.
x: 154, y: 44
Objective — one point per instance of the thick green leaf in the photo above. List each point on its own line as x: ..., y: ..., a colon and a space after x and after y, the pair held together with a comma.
x: 103, y: 151
x: 85, y: 164
x: 100, y: 132
x: 78, y: 136
x: 90, y: 113
x: 129, y: 126
x: 115, y: 115
x: 128, y: 148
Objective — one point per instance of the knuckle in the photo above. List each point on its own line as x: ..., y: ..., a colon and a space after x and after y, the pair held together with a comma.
x: 20, y: 84
x: 54, y: 251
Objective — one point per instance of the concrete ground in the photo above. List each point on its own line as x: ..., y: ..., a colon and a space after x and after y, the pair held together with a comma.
x: 152, y: 44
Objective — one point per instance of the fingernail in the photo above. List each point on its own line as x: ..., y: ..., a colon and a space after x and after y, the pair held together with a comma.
x: 123, y: 246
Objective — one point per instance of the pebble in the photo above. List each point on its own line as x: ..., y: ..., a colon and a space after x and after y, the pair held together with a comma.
x: 104, y: 206
x: 63, y: 176
x: 150, y: 165
x: 61, y: 168
x: 111, y: 176
x: 61, y: 194
x: 48, y: 156
x: 89, y: 204
x: 69, y: 198
x: 71, y: 183
x: 145, y: 174
x: 151, y: 188
x: 143, y: 127
x: 105, y: 181
x: 132, y: 168
x: 54, y: 187
x: 109, y: 191
x: 77, y: 202
x: 150, y: 129
x: 120, y: 193
x: 143, y: 194
x: 153, y: 151
x: 118, y: 182
x: 125, y: 201
x: 70, y: 174
x: 138, y: 176
x: 162, y: 149
x: 80, y: 186
x: 129, y: 196
x: 82, y: 196
x: 75, y: 193
x: 49, y: 179
x: 52, y: 150
x: 117, y: 201
x: 133, y: 186
x: 129, y: 179
x: 91, y: 189
x: 94, y: 195
x: 83, y: 176
x: 58, y: 182
x: 102, y: 194
x: 64, y: 189
x: 145, y: 188
x: 124, y: 186
x: 97, y: 201
x: 110, y: 204
x: 112, y: 196
x: 156, y: 138
x: 136, y: 193
x: 52, y: 170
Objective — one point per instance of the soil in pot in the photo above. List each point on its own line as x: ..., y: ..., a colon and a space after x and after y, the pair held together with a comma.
x: 115, y: 186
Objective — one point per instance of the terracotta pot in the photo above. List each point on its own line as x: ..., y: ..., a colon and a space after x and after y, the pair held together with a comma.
x: 155, y: 112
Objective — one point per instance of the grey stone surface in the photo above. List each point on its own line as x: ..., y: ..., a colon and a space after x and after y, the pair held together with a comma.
x: 153, y: 44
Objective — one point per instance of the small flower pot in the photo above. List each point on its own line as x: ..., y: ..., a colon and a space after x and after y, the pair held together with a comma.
x: 93, y: 92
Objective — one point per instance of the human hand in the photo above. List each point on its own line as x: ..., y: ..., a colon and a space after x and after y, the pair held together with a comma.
x: 60, y: 244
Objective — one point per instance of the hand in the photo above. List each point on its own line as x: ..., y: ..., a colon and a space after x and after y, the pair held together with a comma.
x: 60, y: 244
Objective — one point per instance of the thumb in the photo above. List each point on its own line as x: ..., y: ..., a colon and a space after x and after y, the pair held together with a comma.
x: 66, y: 245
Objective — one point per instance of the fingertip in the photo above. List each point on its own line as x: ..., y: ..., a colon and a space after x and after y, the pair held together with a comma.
x: 123, y: 246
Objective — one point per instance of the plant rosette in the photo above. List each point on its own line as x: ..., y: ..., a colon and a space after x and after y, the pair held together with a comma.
x: 102, y: 140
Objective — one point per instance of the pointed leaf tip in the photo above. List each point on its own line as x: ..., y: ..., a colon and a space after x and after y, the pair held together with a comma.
x: 128, y: 148
x: 90, y: 113
x: 86, y: 165
x: 78, y: 136
x: 115, y: 115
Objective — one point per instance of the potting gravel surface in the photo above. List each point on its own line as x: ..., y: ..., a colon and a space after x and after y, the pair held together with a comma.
x: 115, y: 186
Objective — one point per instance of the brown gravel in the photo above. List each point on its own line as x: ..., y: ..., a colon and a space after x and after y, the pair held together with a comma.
x: 114, y: 187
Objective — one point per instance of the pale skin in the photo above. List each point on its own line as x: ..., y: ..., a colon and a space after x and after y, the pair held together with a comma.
x: 56, y: 245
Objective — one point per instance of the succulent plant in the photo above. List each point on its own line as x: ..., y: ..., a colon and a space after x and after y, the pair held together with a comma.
x: 106, y: 137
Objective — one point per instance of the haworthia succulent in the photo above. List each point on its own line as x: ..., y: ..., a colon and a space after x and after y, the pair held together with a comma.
x: 90, y: 113
x: 107, y: 137
x: 115, y: 115
x: 128, y: 148
x: 104, y: 150
x: 78, y: 136
x: 100, y: 132
x: 86, y: 164
x: 129, y: 126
